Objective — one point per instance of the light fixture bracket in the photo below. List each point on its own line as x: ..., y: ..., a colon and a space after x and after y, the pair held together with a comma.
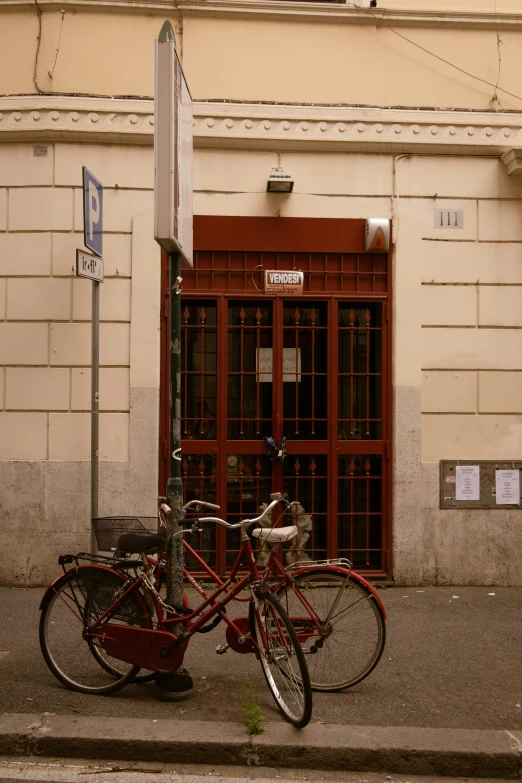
x: 279, y: 182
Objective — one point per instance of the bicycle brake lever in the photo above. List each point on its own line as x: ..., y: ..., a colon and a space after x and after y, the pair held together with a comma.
x: 195, y: 527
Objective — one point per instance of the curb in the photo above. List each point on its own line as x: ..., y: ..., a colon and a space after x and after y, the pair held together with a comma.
x: 403, y: 750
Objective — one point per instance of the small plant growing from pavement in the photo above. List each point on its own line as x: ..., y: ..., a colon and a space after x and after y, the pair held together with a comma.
x: 252, y: 710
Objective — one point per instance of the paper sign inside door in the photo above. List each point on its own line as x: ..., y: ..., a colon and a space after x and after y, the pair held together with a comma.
x: 291, y: 365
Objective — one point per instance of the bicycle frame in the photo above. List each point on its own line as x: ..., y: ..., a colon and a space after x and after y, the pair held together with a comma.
x: 275, y: 571
x: 159, y: 649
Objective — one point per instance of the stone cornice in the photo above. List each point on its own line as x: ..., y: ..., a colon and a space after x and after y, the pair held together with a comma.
x: 265, y: 126
x: 277, y: 9
x: 339, y: 13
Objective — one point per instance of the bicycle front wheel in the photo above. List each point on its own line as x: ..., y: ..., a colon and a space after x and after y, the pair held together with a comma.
x: 340, y: 625
x: 76, y: 659
x: 282, y: 659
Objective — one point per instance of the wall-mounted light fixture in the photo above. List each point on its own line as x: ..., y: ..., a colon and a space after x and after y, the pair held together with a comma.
x: 279, y: 182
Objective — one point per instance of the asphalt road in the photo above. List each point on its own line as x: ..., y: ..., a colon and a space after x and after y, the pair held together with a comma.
x: 52, y: 770
x: 452, y: 660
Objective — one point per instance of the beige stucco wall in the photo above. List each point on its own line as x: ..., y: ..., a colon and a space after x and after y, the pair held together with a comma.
x: 331, y: 58
x: 468, y: 284
x: 339, y: 63
x: 457, y: 371
x: 45, y: 347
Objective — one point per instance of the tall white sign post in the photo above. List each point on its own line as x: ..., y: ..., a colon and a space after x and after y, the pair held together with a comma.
x: 173, y: 232
x: 90, y: 265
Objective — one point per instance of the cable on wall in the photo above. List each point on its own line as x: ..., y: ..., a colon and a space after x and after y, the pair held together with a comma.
x: 39, y: 39
x: 395, y: 196
x: 50, y: 73
x: 494, y: 102
x: 432, y: 54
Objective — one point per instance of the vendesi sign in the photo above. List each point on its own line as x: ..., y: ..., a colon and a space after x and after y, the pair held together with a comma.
x: 287, y: 283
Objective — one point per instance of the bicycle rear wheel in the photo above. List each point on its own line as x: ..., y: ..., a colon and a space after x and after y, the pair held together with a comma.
x: 342, y: 650
x: 282, y: 659
x: 75, y: 602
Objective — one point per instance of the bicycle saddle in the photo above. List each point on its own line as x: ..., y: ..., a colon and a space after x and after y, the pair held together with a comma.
x: 134, y: 543
x: 276, y: 534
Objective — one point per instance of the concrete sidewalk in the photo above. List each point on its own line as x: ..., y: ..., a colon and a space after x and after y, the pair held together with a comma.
x: 455, y: 752
x: 445, y: 699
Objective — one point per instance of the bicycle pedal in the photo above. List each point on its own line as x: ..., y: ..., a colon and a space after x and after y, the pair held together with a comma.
x: 221, y: 649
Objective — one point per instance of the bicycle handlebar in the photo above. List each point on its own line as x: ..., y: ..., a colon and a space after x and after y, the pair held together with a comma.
x: 196, y: 503
x: 165, y: 510
x: 276, y: 498
x: 245, y: 522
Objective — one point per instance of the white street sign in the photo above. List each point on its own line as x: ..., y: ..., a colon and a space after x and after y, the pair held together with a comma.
x: 173, y: 151
x: 90, y: 266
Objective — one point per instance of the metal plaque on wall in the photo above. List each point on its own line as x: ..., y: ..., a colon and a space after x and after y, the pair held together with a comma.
x: 480, y: 484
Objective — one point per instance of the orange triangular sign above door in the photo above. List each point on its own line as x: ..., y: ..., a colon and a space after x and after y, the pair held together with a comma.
x: 379, y: 241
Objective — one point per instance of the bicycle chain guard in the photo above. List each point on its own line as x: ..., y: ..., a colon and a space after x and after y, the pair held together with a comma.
x: 141, y: 647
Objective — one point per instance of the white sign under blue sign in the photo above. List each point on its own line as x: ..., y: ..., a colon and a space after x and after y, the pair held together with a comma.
x: 89, y: 266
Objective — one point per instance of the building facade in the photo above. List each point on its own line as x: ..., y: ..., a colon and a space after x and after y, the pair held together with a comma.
x: 385, y: 365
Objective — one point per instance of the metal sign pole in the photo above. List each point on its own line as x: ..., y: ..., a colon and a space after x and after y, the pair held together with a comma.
x: 173, y: 145
x: 95, y: 407
x: 175, y: 483
x: 90, y: 266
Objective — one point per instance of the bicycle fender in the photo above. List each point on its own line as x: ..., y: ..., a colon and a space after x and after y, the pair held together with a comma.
x: 372, y: 589
x: 75, y: 569
x: 356, y: 577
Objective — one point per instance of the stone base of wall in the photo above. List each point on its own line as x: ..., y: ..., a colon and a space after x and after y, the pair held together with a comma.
x: 468, y: 546
x: 45, y: 505
x: 45, y: 511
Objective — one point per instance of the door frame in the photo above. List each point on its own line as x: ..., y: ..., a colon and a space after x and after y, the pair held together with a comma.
x: 283, y: 235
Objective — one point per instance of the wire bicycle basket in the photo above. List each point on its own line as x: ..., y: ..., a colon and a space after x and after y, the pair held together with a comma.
x: 109, y: 529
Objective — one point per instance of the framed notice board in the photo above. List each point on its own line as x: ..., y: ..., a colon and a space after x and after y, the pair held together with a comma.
x: 480, y: 484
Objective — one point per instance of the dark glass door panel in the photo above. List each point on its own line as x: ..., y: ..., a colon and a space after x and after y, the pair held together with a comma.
x: 248, y: 486
x: 199, y: 370
x: 305, y: 370
x: 249, y: 376
x: 360, y: 371
x: 305, y: 479
x: 199, y: 483
x: 359, y: 513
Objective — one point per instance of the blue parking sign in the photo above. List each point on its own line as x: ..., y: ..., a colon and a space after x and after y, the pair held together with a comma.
x: 92, y: 212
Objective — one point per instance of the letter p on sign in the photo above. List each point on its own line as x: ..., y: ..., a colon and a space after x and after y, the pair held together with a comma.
x: 92, y: 212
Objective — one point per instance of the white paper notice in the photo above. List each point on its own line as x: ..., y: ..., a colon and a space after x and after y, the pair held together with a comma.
x: 468, y: 482
x: 507, y: 485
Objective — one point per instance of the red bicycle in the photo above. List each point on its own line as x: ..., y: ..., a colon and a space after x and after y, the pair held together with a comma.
x: 338, y: 615
x: 100, y: 625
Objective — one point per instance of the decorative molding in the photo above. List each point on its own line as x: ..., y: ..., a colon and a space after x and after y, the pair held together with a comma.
x: 512, y: 160
x: 60, y: 118
x: 350, y: 129
x: 337, y: 13
x: 265, y: 126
